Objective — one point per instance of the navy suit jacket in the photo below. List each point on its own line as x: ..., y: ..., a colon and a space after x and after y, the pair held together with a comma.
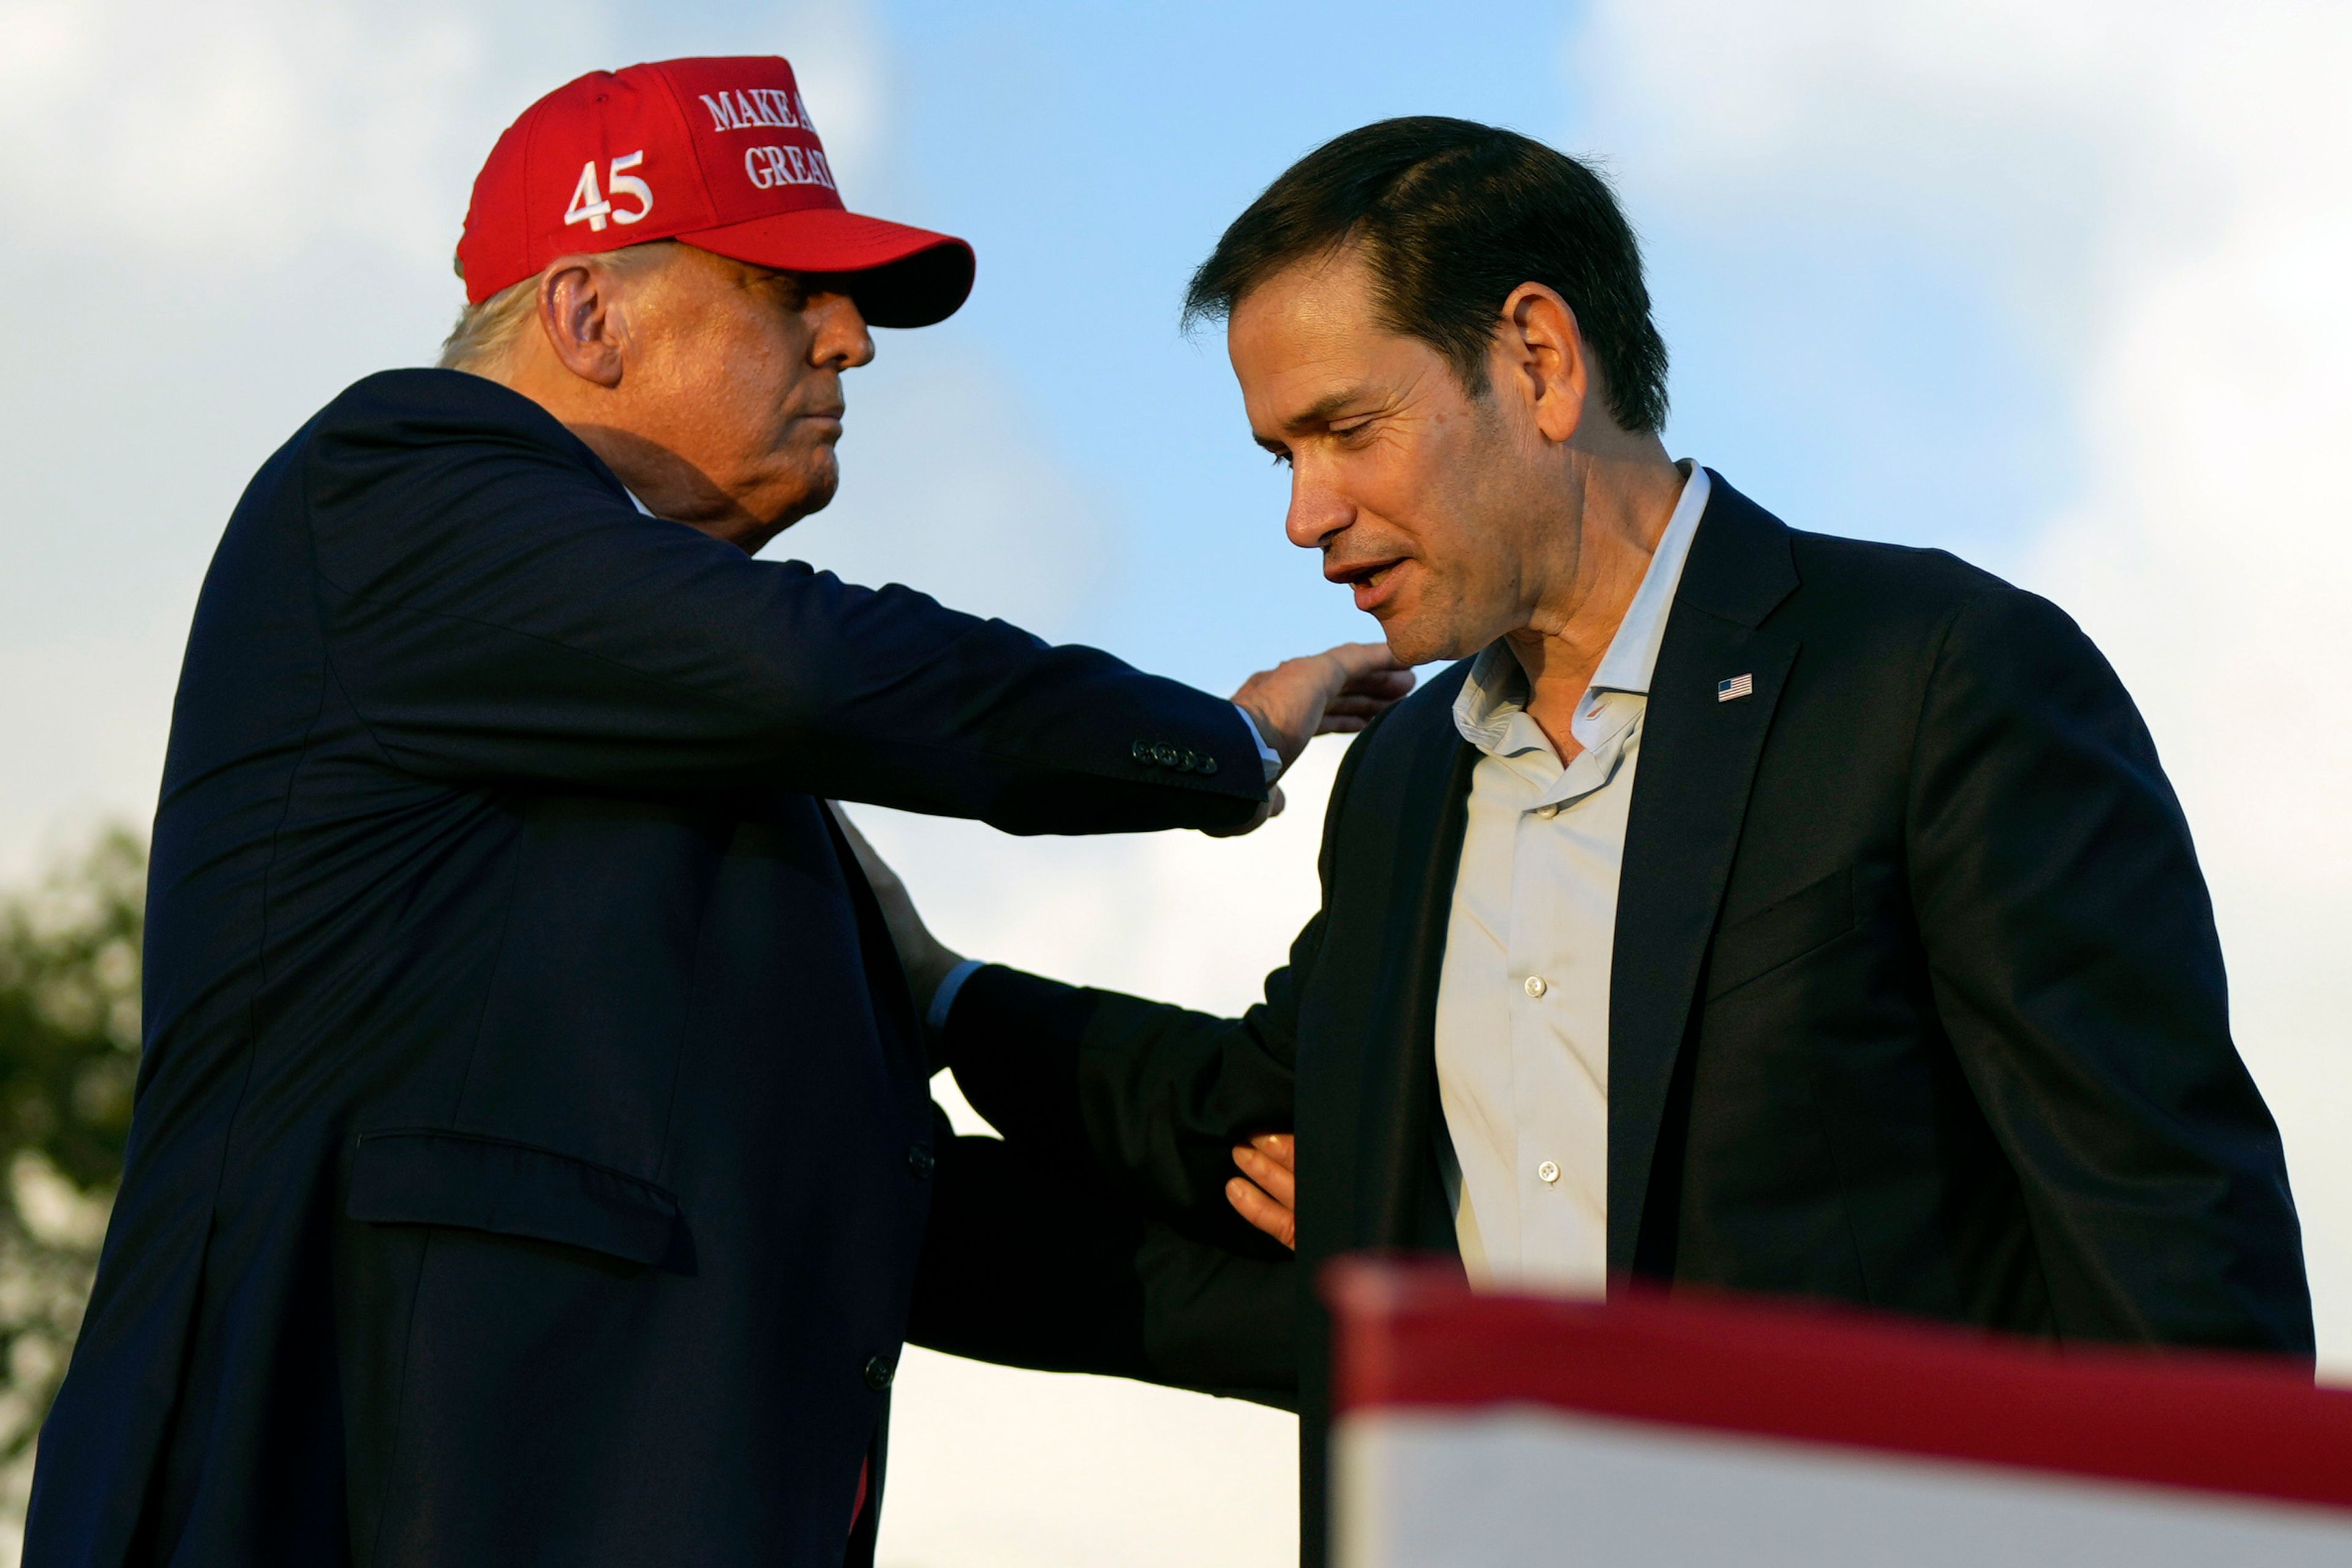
x: 532, y: 1148
x: 1915, y: 1000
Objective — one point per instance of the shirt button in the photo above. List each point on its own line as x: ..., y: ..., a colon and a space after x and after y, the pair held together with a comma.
x: 1548, y: 1171
x: 1548, y: 811
x: 1536, y: 987
x: 879, y: 1373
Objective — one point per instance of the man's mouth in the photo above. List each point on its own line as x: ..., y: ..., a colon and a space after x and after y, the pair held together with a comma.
x: 1373, y: 582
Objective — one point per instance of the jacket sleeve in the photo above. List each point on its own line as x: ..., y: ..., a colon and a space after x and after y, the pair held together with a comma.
x: 1158, y: 1094
x: 2071, y: 945
x: 496, y: 611
x: 1086, y: 1282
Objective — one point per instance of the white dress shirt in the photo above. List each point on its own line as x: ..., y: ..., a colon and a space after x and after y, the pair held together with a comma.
x: 1523, y: 996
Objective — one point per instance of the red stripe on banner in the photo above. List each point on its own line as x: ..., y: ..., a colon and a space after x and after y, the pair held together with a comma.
x: 1413, y: 1335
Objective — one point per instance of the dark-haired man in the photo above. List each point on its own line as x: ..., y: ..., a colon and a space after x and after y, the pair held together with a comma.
x: 1744, y: 907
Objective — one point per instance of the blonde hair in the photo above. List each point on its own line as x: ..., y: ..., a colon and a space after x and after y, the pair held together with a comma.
x: 486, y: 333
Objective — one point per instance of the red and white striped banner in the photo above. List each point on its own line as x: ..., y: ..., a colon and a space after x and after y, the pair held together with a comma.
x: 1671, y: 1433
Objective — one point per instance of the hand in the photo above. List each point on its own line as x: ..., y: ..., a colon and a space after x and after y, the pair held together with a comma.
x: 1333, y: 693
x: 1269, y: 1199
x: 922, y: 954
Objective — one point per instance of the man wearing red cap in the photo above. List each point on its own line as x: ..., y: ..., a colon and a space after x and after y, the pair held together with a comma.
x: 533, y: 1149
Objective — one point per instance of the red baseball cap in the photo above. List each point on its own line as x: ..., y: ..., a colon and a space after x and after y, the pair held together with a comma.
x: 716, y: 153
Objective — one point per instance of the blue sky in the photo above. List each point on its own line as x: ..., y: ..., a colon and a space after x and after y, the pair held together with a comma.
x: 1845, y: 371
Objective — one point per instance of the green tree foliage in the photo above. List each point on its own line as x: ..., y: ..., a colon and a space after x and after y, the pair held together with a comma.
x: 69, y: 1059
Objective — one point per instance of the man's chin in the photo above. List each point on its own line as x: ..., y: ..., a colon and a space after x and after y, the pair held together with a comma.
x: 813, y: 493
x: 821, y: 491
x: 1416, y: 640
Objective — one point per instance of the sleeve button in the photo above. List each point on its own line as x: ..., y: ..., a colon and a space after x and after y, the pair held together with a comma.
x: 1142, y: 752
x: 1208, y: 765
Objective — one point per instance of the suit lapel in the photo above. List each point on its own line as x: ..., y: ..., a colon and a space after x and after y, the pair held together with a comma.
x: 895, y: 1016
x: 1402, y: 1200
x: 1690, y: 798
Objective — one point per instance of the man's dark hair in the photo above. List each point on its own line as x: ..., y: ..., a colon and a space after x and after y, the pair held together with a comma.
x: 1452, y: 216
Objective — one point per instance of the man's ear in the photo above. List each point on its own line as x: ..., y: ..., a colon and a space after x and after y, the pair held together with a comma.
x: 581, y: 319
x: 1544, y: 357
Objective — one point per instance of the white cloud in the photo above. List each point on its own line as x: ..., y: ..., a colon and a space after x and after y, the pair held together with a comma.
x: 91, y: 714
x: 233, y: 130
x: 236, y: 129
x: 990, y: 1468
x: 2158, y: 187
x: 1179, y: 917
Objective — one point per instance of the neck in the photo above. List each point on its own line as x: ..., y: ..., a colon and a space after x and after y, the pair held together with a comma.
x: 1619, y: 508
x: 669, y: 485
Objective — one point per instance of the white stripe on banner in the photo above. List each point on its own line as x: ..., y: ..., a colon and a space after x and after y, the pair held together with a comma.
x: 1428, y: 1489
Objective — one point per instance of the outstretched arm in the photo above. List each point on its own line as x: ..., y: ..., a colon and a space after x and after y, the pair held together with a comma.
x: 1154, y: 1097
x: 1088, y: 1283
x: 496, y: 612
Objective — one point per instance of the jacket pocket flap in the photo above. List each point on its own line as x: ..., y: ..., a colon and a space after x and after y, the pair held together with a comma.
x: 429, y: 1176
x: 1814, y: 916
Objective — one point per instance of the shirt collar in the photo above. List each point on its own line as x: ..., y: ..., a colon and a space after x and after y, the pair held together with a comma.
x: 633, y: 501
x: 1633, y: 655
x: 1490, y: 710
x: 1491, y: 707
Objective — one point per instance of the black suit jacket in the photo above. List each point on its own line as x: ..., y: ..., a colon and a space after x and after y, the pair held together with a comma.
x: 532, y: 1148
x: 1915, y: 1000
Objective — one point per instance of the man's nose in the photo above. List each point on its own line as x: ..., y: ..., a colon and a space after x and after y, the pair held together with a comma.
x: 1317, y: 512
x: 841, y: 338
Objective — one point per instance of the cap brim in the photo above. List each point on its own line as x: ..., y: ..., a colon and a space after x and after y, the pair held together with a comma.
x: 899, y: 275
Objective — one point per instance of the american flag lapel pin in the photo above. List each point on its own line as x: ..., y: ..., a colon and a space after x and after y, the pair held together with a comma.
x: 1737, y: 687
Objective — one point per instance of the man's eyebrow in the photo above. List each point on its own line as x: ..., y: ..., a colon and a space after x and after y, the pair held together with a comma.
x: 1316, y: 413
x: 1322, y: 408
